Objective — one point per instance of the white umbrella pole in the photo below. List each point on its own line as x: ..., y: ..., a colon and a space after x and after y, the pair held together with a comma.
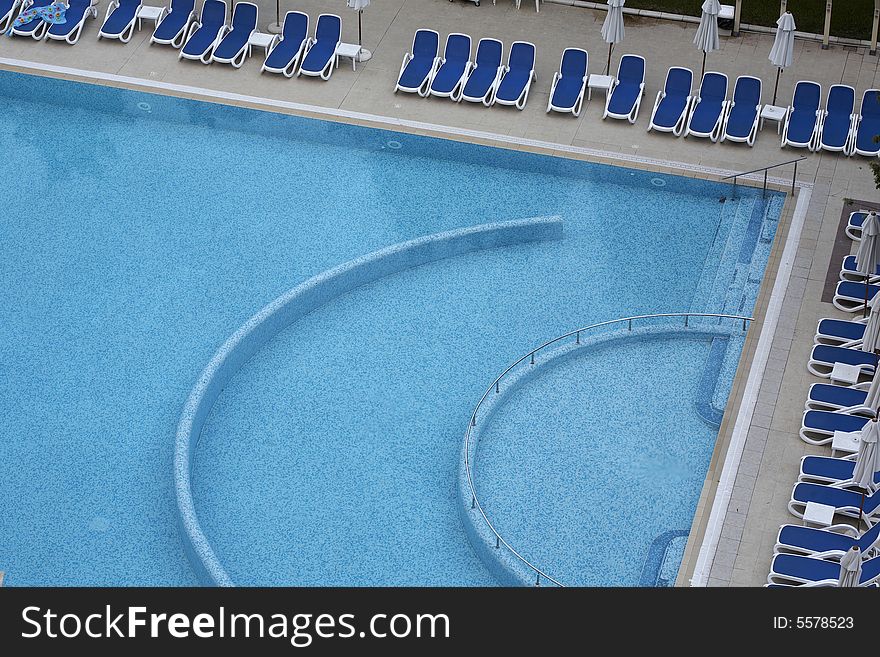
x: 275, y: 28
x: 608, y: 65
x: 776, y: 88
x: 703, y: 69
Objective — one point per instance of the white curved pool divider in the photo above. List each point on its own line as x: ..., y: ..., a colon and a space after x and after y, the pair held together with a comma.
x: 286, y: 309
x: 509, y: 567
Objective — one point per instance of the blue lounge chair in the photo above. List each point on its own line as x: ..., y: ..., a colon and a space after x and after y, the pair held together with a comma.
x: 849, y: 271
x: 825, y: 543
x: 570, y: 82
x: 829, y: 470
x: 673, y: 102
x: 171, y: 28
x: 320, y: 54
x: 818, y: 427
x: 36, y: 28
x: 483, y: 79
x: 741, y: 120
x: 454, y: 67
x: 850, y: 296
x: 836, y: 122
x: 801, y: 128
x: 807, y: 571
x: 839, y: 332
x: 286, y: 52
x: 517, y: 76
x: 204, y: 34
x: 823, y: 357
x: 625, y: 96
x: 828, y: 397
x: 77, y: 13
x: 120, y: 20
x: 707, y: 111
x: 8, y: 11
x: 867, y: 126
x: 234, y: 42
x: 845, y: 501
x: 419, y: 66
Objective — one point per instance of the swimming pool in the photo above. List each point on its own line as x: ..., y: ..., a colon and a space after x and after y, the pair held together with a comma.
x: 160, y: 225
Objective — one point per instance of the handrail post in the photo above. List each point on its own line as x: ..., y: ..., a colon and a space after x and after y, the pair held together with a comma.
x: 764, y: 189
x: 794, y: 177
x: 744, y: 324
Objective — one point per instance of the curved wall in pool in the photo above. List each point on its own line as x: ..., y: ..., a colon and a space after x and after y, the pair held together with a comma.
x: 285, y: 310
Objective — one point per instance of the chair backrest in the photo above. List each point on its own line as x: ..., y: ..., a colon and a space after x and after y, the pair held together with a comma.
x: 186, y: 6
x: 426, y: 43
x: 714, y: 86
x: 329, y: 28
x: 870, y: 569
x: 871, y: 103
x: 244, y: 16
x: 679, y: 81
x: 574, y: 63
x: 296, y: 26
x: 869, y: 538
x: 631, y: 69
x: 521, y: 56
x: 213, y: 12
x: 872, y: 501
x: 747, y: 91
x: 458, y: 47
x: 489, y: 53
x: 806, y: 96
x: 841, y: 99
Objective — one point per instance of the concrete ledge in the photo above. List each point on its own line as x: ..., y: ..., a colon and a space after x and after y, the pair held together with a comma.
x: 285, y: 310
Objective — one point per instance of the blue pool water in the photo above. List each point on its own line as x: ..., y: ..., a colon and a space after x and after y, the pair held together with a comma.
x: 330, y: 458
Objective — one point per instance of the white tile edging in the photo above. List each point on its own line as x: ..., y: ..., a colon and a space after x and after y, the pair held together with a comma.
x: 733, y: 457
x: 272, y: 104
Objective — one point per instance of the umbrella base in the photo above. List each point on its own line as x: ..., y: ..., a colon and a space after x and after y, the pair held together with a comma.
x: 274, y: 28
x: 364, y: 55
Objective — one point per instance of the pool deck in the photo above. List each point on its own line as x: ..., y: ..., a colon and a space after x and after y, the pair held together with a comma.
x: 769, y: 464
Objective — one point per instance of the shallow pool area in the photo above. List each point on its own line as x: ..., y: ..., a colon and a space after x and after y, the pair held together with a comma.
x: 330, y: 458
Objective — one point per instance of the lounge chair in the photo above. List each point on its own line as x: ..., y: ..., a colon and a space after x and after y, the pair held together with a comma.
x: 517, y: 76
x: 625, y: 96
x: 829, y: 543
x: 286, y: 52
x: 234, y: 41
x: 839, y: 332
x: 36, y: 28
x: 77, y: 13
x: 828, y: 397
x: 807, y: 571
x: 419, y: 66
x: 707, y: 111
x: 120, y: 20
x: 850, y: 296
x: 827, y: 470
x: 854, y: 224
x: 741, y: 120
x: 454, y: 67
x: 823, y: 357
x: 673, y: 102
x: 818, y: 427
x: 8, y: 10
x: 849, y: 271
x: 801, y: 128
x: 172, y: 27
x: 570, y: 82
x: 204, y: 33
x: 483, y: 78
x: 845, y: 501
x: 320, y: 54
x: 837, y: 119
x: 867, y: 126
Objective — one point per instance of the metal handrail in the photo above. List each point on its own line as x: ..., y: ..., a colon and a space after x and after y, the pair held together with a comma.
x: 766, y: 169
x: 496, y: 385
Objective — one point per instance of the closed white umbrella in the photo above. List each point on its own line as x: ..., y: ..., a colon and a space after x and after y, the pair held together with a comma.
x: 612, y: 28
x: 873, y: 399
x: 782, y: 52
x: 850, y: 567
x: 872, y: 330
x: 868, y: 255
x: 706, y: 38
x: 867, y: 457
x: 359, y: 6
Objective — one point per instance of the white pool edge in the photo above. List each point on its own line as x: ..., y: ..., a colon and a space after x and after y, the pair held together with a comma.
x: 362, y: 117
x: 732, y: 458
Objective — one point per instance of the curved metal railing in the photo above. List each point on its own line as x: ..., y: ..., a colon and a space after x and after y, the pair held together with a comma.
x: 496, y: 386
